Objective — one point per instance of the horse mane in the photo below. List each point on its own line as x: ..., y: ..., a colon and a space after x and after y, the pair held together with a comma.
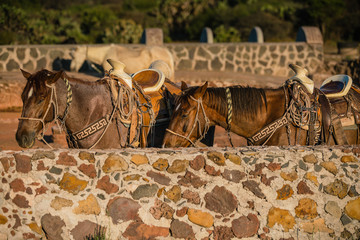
x: 245, y: 100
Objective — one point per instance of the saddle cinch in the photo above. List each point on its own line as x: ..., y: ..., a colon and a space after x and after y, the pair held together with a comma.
x: 338, y: 103
x: 145, y: 103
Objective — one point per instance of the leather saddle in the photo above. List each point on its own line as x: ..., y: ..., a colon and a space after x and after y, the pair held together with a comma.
x: 336, y: 86
x: 150, y: 80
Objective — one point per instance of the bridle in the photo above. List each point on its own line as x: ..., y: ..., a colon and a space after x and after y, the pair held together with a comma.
x: 60, y: 120
x: 197, y: 122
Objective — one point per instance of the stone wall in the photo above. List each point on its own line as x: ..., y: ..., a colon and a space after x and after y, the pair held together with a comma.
x: 215, y: 193
x: 255, y: 58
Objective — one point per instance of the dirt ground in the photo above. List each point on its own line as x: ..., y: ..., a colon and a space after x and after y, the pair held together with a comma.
x: 15, y: 82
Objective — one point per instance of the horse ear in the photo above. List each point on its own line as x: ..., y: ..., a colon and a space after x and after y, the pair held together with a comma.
x: 25, y: 74
x: 184, y: 86
x: 201, y: 91
x: 55, y: 77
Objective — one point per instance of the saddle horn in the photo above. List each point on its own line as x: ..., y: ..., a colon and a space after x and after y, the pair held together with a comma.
x: 118, y: 70
x: 300, y: 75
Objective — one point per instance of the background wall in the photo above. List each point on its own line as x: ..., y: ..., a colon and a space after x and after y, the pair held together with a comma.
x: 255, y: 58
x: 215, y: 193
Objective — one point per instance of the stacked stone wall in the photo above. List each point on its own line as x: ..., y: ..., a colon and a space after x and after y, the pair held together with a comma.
x: 255, y: 58
x: 215, y: 193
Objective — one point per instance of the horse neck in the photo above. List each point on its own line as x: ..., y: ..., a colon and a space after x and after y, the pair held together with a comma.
x: 247, y: 124
x: 90, y: 102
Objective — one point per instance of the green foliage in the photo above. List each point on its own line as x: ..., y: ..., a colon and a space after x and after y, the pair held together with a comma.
x: 99, y: 234
x: 122, y: 21
x: 222, y: 34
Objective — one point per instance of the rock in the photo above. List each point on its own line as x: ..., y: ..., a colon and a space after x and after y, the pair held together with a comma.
x: 159, y: 178
x: 316, y: 225
x: 122, y: 209
x: 65, y: 159
x: 211, y: 171
x: 345, y: 219
x: 105, y: 185
x: 58, y: 203
x: 132, y: 177
x: 223, y: 233
x: 88, y: 169
x: 23, y: 163
x: 139, y: 159
x: 306, y: 209
x: 281, y: 217
x: 346, y: 234
x: 348, y: 158
x: 181, y: 229
x: 330, y: 166
x: 221, y: 200
x: 17, y: 185
x: 198, y: 162
x: 72, y: 184
x: 191, y: 179
x: 302, y: 165
x: 115, y: 163
x: 178, y: 166
x: 139, y: 230
x: 292, y: 176
x: 302, y: 188
x: 174, y: 193
x: 311, y: 158
x: 267, y: 181
x: 21, y: 201
x: 146, y: 190
x: 5, y: 161
x: 333, y: 209
x: 258, y: 169
x: 87, y: 228
x: 192, y: 197
x: 161, y: 164
x: 233, y: 175
x: 3, y: 219
x: 253, y: 186
x: 244, y: 227
x: 43, y: 154
x: 310, y: 176
x: 352, y: 209
x: 285, y: 192
x: 274, y: 166
x: 52, y: 226
x: 89, y: 206
x: 90, y: 157
x: 182, y: 212
x: 217, y: 157
x: 200, y: 218
x: 337, y: 188
x: 236, y: 159
x: 352, y: 192
x: 161, y: 209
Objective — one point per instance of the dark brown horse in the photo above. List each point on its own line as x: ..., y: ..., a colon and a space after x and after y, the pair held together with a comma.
x: 262, y: 116
x: 87, y: 111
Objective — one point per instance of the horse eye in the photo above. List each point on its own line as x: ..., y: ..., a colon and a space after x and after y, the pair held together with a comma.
x: 184, y: 115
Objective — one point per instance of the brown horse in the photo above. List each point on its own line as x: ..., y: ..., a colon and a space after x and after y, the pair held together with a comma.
x: 88, y: 112
x: 262, y: 116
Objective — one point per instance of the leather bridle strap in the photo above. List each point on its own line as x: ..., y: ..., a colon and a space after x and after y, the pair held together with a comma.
x: 53, y: 101
x: 197, y: 121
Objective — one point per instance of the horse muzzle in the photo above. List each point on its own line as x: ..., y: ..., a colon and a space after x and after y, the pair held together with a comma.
x: 25, y: 140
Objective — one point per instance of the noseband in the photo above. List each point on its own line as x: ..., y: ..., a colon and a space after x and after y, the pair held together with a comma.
x: 60, y: 121
x: 197, y: 122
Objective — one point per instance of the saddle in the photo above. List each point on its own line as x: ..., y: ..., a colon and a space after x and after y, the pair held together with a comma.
x: 149, y: 89
x: 335, y: 106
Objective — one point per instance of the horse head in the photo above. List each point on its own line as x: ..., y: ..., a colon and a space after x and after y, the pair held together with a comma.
x: 189, y: 122
x: 38, y: 108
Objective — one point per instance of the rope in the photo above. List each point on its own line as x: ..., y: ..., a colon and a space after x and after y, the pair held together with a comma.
x: 229, y: 114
